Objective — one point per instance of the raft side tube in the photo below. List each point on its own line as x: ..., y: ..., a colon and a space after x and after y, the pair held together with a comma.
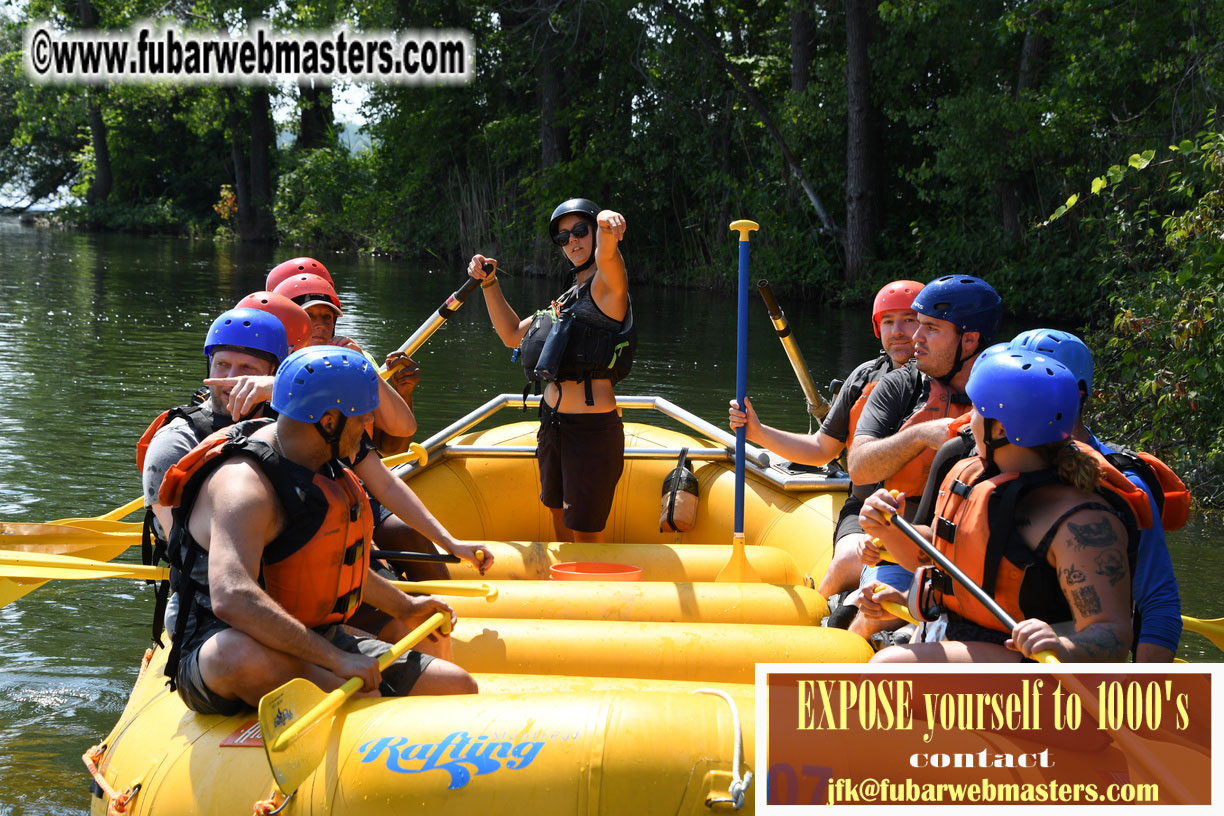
x: 649, y: 601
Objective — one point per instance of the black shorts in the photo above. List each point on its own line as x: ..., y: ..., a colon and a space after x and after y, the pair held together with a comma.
x: 963, y: 630
x: 381, y: 513
x: 848, y: 521
x: 397, y: 680
x: 581, y: 458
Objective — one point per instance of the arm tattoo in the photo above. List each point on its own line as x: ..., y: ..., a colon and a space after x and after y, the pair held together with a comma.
x: 1092, y: 535
x: 1073, y: 575
x: 1110, y: 564
x: 1087, y: 602
x: 1099, y: 643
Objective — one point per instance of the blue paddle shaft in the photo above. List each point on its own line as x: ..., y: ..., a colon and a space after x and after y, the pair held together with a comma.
x: 741, y: 382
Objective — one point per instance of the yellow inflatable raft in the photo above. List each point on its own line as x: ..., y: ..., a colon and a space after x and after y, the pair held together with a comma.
x: 596, y: 696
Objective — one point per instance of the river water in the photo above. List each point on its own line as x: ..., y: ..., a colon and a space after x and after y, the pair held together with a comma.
x: 100, y: 333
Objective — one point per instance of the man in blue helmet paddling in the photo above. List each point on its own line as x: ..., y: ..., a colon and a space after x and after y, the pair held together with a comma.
x: 270, y: 545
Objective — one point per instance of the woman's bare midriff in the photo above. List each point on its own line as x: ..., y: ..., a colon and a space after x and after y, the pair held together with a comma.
x: 573, y: 397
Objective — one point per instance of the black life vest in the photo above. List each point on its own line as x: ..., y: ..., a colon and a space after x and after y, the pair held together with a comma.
x: 303, y: 569
x: 562, y: 346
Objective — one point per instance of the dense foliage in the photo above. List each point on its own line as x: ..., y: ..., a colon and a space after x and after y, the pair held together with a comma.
x: 872, y: 139
x: 1159, y: 224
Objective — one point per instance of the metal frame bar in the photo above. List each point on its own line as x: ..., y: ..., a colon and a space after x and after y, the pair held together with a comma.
x: 439, y: 445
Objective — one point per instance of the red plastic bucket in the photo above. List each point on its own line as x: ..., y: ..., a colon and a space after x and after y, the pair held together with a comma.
x: 594, y: 571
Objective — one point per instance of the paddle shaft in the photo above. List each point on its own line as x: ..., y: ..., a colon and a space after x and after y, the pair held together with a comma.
x: 435, y: 321
x: 741, y: 372
x: 817, y: 406
x: 335, y: 699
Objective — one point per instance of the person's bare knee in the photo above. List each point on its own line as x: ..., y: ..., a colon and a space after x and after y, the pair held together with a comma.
x: 443, y: 677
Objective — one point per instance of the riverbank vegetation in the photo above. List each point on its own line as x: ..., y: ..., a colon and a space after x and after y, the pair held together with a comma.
x: 872, y: 140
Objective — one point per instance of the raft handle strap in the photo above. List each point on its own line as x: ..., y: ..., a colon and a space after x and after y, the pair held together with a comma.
x: 118, y: 800
x: 269, y: 806
x: 739, y: 785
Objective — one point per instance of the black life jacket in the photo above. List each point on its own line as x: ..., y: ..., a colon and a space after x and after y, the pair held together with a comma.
x: 565, y: 347
x: 302, y: 495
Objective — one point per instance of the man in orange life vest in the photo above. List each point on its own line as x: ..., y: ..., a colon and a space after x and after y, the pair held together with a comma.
x: 894, y: 321
x: 271, y: 544
x: 908, y: 415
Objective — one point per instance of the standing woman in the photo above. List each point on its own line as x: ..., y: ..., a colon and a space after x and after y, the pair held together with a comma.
x: 581, y: 442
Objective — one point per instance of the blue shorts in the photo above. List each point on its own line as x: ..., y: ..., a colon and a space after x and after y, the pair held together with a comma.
x: 895, y: 575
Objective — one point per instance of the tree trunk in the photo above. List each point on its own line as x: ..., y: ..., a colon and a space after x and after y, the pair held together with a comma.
x: 243, y: 221
x: 548, y: 91
x: 758, y: 104
x: 103, y: 180
x: 262, y: 145
x: 100, y: 188
x: 1032, y: 59
x: 803, y: 31
x: 317, y: 120
x: 863, y: 152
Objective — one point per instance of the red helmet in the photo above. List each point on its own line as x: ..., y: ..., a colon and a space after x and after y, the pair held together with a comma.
x: 296, y: 266
x: 307, y: 290
x: 896, y: 295
x: 293, y: 316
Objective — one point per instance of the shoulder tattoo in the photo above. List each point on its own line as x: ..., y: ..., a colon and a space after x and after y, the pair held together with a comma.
x: 1096, y: 535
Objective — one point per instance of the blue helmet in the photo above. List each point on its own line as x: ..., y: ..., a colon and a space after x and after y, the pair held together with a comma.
x: 970, y: 303
x: 1064, y: 347
x: 248, y: 330
x: 1035, y: 397
x: 313, y: 381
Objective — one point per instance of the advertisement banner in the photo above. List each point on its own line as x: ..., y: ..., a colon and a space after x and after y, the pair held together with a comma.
x: 983, y: 735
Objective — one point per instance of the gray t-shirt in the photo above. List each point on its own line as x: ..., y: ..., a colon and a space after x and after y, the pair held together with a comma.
x: 171, y: 442
x: 837, y: 422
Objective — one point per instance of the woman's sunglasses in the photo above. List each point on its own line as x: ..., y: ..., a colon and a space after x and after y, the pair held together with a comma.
x: 579, y: 230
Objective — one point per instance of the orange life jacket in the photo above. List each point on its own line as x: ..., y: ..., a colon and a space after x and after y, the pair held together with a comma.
x: 194, y: 416
x: 856, y: 410
x: 316, y: 567
x: 941, y: 402
x: 975, y: 527
x: 871, y: 371
x: 1171, y: 495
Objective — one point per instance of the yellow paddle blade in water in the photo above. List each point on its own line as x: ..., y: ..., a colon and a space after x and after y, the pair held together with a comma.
x: 114, y: 515
x: 1213, y: 630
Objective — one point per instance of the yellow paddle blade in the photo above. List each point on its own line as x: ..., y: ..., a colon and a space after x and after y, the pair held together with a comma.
x: 738, y: 570
x: 1213, y: 630
x: 113, y: 515
x: 41, y: 574
x: 295, y: 761
x: 291, y: 717
x: 49, y: 566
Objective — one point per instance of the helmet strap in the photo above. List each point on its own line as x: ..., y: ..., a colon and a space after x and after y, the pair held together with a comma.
x: 959, y: 362
x: 585, y: 264
x: 332, y: 439
x: 992, y: 443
